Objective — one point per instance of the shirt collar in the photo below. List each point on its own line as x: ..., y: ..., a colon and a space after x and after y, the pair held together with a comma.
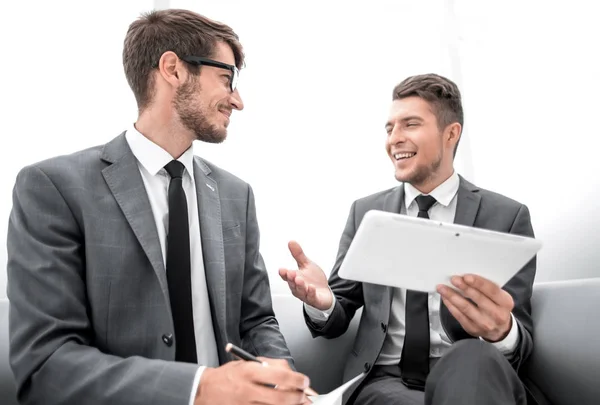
x: 152, y: 156
x: 444, y: 193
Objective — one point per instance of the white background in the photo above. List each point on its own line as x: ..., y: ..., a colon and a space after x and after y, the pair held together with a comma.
x: 317, y: 89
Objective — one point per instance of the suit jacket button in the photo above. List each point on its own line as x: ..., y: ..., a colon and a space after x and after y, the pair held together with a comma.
x: 383, y: 327
x: 167, y: 339
x: 367, y: 367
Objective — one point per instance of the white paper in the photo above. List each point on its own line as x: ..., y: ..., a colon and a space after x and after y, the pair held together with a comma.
x: 335, y: 396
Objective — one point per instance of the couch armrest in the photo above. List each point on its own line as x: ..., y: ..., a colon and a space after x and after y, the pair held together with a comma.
x: 8, y: 393
x: 565, y: 363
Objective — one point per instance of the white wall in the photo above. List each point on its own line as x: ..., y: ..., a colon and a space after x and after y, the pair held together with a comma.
x: 317, y: 88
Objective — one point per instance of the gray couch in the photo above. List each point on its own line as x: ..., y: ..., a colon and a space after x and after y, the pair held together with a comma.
x: 565, y: 364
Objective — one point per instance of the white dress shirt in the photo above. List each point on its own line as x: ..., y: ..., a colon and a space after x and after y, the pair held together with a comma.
x: 443, y: 210
x: 151, y: 160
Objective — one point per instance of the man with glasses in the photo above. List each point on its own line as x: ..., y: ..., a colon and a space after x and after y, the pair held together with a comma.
x: 132, y: 264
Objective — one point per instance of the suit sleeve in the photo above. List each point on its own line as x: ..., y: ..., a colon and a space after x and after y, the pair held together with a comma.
x: 348, y: 294
x: 520, y: 287
x: 52, y: 351
x: 259, y: 330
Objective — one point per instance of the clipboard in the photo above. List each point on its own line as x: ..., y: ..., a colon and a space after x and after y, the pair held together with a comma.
x: 418, y: 254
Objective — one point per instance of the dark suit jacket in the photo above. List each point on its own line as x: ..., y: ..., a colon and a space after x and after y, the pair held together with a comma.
x: 89, y: 302
x: 475, y: 207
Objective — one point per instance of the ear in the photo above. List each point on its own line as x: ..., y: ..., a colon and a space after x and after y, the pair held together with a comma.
x: 171, y: 69
x: 452, y: 134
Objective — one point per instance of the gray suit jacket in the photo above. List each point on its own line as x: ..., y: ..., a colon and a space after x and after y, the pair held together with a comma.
x: 475, y: 207
x: 90, y: 320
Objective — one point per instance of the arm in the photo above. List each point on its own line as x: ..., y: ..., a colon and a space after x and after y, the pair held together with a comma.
x: 348, y: 294
x: 520, y: 287
x: 51, y: 337
x: 259, y: 329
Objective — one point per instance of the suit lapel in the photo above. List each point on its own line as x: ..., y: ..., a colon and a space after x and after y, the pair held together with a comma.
x: 125, y: 182
x: 467, y: 206
x: 393, y: 201
x: 211, y: 232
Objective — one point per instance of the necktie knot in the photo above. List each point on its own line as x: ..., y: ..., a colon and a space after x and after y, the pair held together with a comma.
x: 175, y: 169
x: 425, y: 202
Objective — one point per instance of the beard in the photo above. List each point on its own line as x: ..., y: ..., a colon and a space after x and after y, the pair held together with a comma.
x: 422, y: 174
x: 193, y: 114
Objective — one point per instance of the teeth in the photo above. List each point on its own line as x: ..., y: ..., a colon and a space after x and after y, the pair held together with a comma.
x: 403, y: 155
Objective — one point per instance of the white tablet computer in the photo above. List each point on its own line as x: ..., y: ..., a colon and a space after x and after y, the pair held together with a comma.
x: 418, y: 254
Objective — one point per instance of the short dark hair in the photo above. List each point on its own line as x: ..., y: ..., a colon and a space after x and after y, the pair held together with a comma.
x: 441, y: 93
x: 180, y: 31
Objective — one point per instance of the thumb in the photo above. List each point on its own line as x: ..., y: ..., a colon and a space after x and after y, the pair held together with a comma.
x: 298, y: 254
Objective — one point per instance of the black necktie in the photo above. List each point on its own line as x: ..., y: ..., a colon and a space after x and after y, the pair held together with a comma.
x: 414, y: 363
x: 178, y: 266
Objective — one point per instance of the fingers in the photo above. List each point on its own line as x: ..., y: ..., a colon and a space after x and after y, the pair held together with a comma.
x: 299, y: 287
x: 283, y: 273
x: 490, y: 289
x: 296, y: 283
x: 466, y: 308
x: 276, y: 376
x: 252, y: 382
x: 298, y: 254
x: 491, y: 324
x: 498, y: 314
x: 257, y: 393
x: 464, y: 321
x: 281, y: 363
x: 279, y: 396
x: 481, y: 300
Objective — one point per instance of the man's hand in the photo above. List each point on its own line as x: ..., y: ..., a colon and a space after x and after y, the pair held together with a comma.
x: 249, y: 382
x: 490, y: 317
x: 283, y: 364
x: 309, y: 282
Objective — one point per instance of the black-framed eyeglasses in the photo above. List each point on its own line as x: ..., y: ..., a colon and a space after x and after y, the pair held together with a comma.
x: 199, y: 60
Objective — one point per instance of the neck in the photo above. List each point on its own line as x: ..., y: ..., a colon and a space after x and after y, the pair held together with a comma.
x: 161, y: 128
x: 434, y: 181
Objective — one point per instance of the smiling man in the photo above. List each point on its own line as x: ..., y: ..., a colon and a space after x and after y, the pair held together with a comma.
x: 132, y: 264
x: 448, y: 347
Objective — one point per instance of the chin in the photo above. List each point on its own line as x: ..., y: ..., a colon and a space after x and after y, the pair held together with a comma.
x: 211, y: 135
x: 405, y: 176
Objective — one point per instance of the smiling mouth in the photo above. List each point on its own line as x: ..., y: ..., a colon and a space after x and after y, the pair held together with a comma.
x: 226, y: 113
x: 403, y: 156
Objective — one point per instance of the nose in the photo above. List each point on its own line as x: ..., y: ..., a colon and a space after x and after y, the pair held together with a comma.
x: 236, y: 100
x: 396, y: 137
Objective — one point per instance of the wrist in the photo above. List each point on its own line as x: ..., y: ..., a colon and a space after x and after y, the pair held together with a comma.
x: 206, y: 376
x: 326, y: 301
x: 504, y: 331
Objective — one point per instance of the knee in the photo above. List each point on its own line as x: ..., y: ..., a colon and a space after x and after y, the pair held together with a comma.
x: 471, y: 352
x: 476, y: 366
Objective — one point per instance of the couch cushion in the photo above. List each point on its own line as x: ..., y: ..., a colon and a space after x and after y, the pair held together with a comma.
x: 321, y: 359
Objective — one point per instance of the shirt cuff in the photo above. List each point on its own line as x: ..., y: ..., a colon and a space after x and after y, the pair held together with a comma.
x: 316, y: 314
x: 509, y: 343
x: 196, y: 384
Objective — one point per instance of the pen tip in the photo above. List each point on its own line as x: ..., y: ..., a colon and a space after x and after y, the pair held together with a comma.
x: 228, y: 347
